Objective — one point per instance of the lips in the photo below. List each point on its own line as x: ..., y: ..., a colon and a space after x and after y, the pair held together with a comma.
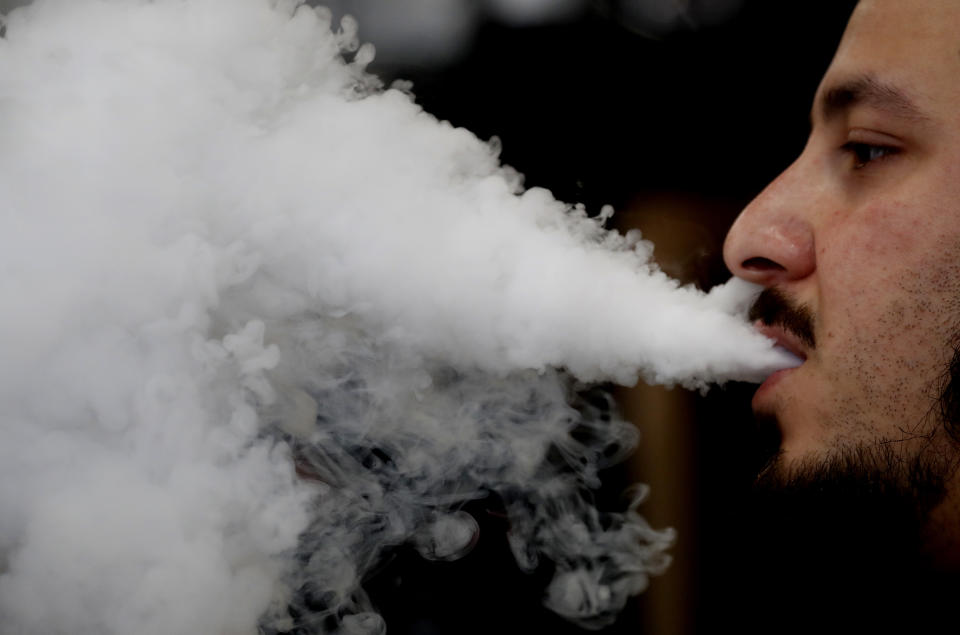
x: 789, y: 342
x: 784, y: 339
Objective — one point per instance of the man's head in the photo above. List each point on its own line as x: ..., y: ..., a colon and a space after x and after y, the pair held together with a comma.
x: 858, y: 244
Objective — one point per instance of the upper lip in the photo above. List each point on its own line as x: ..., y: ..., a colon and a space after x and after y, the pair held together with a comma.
x: 784, y: 338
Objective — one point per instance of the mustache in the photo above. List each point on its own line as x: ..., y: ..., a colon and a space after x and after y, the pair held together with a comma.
x: 775, y: 308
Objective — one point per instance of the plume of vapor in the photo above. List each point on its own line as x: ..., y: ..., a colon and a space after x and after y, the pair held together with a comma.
x: 264, y: 320
x: 430, y: 33
x: 418, y: 33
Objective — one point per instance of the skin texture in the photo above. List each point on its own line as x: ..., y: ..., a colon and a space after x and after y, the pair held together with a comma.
x: 863, y: 232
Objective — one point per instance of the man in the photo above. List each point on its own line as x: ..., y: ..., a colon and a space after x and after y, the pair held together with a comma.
x: 857, y: 245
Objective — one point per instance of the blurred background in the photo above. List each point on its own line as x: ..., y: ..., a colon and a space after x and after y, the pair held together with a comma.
x: 677, y: 113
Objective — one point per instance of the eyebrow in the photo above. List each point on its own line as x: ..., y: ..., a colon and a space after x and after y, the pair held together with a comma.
x: 869, y: 91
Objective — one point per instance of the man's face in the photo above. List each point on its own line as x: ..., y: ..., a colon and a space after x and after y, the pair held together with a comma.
x: 862, y: 236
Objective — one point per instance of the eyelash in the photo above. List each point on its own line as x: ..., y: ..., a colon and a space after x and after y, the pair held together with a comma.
x: 863, y: 153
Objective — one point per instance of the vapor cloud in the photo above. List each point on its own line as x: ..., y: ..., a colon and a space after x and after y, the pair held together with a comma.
x: 264, y: 320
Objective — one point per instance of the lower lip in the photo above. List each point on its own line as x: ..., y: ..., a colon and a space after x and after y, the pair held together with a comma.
x: 769, y: 383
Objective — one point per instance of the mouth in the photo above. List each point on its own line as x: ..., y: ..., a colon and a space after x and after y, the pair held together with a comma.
x: 789, y: 342
x: 785, y: 339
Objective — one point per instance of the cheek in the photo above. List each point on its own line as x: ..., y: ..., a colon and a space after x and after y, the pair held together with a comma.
x: 884, y: 231
x: 889, y: 284
x: 887, y: 300
x: 883, y: 245
x: 857, y: 260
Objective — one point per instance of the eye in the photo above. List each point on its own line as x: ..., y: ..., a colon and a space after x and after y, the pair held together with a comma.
x: 864, y: 153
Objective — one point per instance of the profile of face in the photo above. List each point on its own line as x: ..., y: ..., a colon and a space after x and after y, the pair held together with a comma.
x: 857, y: 244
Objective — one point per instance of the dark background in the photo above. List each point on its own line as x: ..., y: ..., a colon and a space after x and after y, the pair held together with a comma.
x: 678, y: 129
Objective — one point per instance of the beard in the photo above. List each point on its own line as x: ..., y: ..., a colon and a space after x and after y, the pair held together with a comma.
x: 868, y: 502
x: 842, y: 544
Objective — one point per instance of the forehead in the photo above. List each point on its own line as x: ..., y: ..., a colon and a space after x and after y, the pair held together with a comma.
x: 913, y: 44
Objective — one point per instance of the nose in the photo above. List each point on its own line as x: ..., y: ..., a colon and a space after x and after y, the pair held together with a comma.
x: 772, y: 240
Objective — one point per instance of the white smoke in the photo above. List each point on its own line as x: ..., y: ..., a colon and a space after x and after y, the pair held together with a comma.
x: 418, y: 33
x: 432, y: 33
x: 264, y: 320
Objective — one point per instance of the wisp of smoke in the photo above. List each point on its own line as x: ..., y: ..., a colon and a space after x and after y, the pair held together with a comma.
x: 265, y: 320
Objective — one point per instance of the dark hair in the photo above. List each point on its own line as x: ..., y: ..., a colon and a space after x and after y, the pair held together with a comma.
x: 950, y: 394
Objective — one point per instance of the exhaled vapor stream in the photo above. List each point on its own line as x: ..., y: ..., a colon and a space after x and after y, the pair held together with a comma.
x: 264, y: 320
